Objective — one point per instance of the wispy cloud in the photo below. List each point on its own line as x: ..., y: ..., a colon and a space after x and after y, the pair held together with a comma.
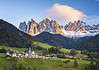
x: 91, y: 20
x: 65, y: 12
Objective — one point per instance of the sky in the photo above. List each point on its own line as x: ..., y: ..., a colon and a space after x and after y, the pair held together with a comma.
x: 16, y: 11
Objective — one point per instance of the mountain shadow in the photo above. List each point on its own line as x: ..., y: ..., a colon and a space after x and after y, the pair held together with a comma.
x: 11, y: 36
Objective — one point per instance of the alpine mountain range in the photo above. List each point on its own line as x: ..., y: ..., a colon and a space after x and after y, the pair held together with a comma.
x: 72, y: 29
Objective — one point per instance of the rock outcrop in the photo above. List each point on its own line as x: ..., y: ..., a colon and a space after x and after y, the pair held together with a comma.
x: 50, y: 26
x: 76, y: 26
x: 23, y: 26
x: 32, y: 27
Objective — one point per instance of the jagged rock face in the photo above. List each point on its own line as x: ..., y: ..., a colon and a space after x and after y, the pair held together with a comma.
x: 58, y: 29
x: 93, y: 27
x: 46, y: 25
x: 96, y: 26
x: 43, y: 25
x: 50, y: 26
x: 76, y: 26
x: 32, y: 27
x: 89, y: 27
x: 23, y: 26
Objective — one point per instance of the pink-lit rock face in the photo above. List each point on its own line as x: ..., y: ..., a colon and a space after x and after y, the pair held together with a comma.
x: 76, y: 26
x: 32, y: 27
x: 50, y: 26
x: 45, y: 25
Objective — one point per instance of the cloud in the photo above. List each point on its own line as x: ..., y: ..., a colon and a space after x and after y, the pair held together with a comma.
x: 65, y: 12
x: 91, y: 20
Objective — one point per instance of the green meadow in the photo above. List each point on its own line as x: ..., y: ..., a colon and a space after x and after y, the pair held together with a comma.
x: 41, y: 64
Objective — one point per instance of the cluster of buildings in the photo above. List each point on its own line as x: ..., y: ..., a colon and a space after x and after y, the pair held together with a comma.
x: 28, y: 54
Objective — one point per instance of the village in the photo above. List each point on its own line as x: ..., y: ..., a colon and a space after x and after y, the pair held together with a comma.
x: 29, y: 54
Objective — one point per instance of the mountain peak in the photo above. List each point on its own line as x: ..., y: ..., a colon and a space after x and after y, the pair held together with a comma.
x: 45, y: 21
x: 23, y: 26
x: 76, y: 28
x: 33, y: 21
x: 32, y: 27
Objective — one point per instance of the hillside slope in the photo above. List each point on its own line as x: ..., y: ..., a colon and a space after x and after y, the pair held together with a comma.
x: 11, y: 36
x: 84, y: 43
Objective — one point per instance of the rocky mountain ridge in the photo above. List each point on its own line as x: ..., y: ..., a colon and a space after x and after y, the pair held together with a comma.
x: 77, y: 28
x: 45, y: 25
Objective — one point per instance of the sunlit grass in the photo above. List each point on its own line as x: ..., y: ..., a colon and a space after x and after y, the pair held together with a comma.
x: 45, y: 64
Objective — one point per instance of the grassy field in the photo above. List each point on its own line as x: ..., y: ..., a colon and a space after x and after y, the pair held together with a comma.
x: 68, y: 50
x: 46, y: 46
x: 14, y: 48
x: 42, y: 45
x: 41, y: 64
